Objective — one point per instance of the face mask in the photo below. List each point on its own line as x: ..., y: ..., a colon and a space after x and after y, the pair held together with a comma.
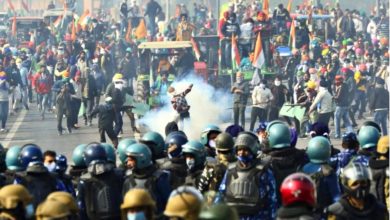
x: 136, y: 216
x: 83, y: 46
x: 190, y: 163
x: 119, y: 86
x: 239, y: 80
x: 245, y: 159
x: 29, y: 211
x: 212, y: 143
x: 51, y: 166
x: 262, y: 86
x: 360, y: 193
x: 277, y: 83
x: 19, y: 66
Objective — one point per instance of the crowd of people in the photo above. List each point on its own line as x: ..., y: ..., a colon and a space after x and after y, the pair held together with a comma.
x: 232, y: 173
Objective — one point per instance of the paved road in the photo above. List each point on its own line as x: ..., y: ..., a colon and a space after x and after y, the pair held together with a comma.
x: 27, y: 127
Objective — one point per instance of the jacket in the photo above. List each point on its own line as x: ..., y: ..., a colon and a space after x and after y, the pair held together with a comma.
x: 106, y: 115
x: 261, y: 98
x: 379, y: 99
x: 241, y: 98
x: 323, y: 101
x: 42, y: 83
x: 341, y: 96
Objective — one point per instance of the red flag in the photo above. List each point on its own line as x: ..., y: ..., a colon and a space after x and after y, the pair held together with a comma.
x: 195, y: 48
x: 289, y: 5
x: 259, y: 58
x: 11, y: 6
x: 14, y: 26
x: 25, y: 6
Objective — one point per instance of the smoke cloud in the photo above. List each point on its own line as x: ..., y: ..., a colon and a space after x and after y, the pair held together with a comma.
x: 208, y: 106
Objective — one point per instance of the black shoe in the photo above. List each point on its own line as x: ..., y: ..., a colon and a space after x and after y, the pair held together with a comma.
x: 59, y: 133
x: 354, y: 125
x: 69, y: 130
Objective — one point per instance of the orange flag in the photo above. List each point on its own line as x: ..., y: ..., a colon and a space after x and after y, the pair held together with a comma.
x: 141, y: 31
x: 258, y: 59
x: 14, y: 26
x: 128, y: 33
x: 266, y: 7
x: 73, y: 36
x: 289, y: 5
x: 292, y: 35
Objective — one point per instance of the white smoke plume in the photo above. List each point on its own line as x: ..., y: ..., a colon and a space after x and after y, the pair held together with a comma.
x: 208, y: 106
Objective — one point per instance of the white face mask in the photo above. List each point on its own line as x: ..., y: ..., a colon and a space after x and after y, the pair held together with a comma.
x: 212, y: 143
x: 190, y: 163
x: 19, y: 65
x: 262, y: 86
x: 277, y: 83
x: 51, y: 166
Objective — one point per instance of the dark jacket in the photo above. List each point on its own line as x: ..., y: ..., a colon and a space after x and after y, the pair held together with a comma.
x: 228, y: 29
x: 118, y: 97
x: 379, y: 98
x: 128, y: 67
x: 341, y: 95
x: 241, y: 98
x: 106, y: 115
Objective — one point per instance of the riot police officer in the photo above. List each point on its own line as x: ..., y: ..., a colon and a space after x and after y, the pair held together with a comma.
x: 214, y: 171
x: 16, y: 203
x: 324, y: 176
x: 36, y: 178
x: 207, y: 138
x: 368, y: 137
x: 68, y: 200
x: 248, y: 184
x: 175, y: 163
x: 13, y: 163
x: 298, y: 195
x: 195, y: 156
x: 138, y: 204
x: 357, y: 202
x: 52, y: 209
x: 123, y: 144
x: 184, y: 203
x: 142, y: 173
x: 79, y: 167
x: 284, y: 159
x: 61, y: 164
x: 99, y: 190
x: 156, y: 144
x: 379, y: 165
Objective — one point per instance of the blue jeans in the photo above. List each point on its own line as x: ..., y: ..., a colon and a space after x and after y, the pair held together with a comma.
x: 342, y: 113
x: 43, y: 102
x: 118, y: 122
x: 3, y: 113
x: 380, y: 117
x: 360, y: 102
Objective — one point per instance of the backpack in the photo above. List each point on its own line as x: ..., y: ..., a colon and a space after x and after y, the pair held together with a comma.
x: 103, y: 195
x: 323, y: 196
x: 149, y: 183
x: 39, y: 185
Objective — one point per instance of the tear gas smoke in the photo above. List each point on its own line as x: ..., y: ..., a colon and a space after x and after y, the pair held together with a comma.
x: 208, y: 106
